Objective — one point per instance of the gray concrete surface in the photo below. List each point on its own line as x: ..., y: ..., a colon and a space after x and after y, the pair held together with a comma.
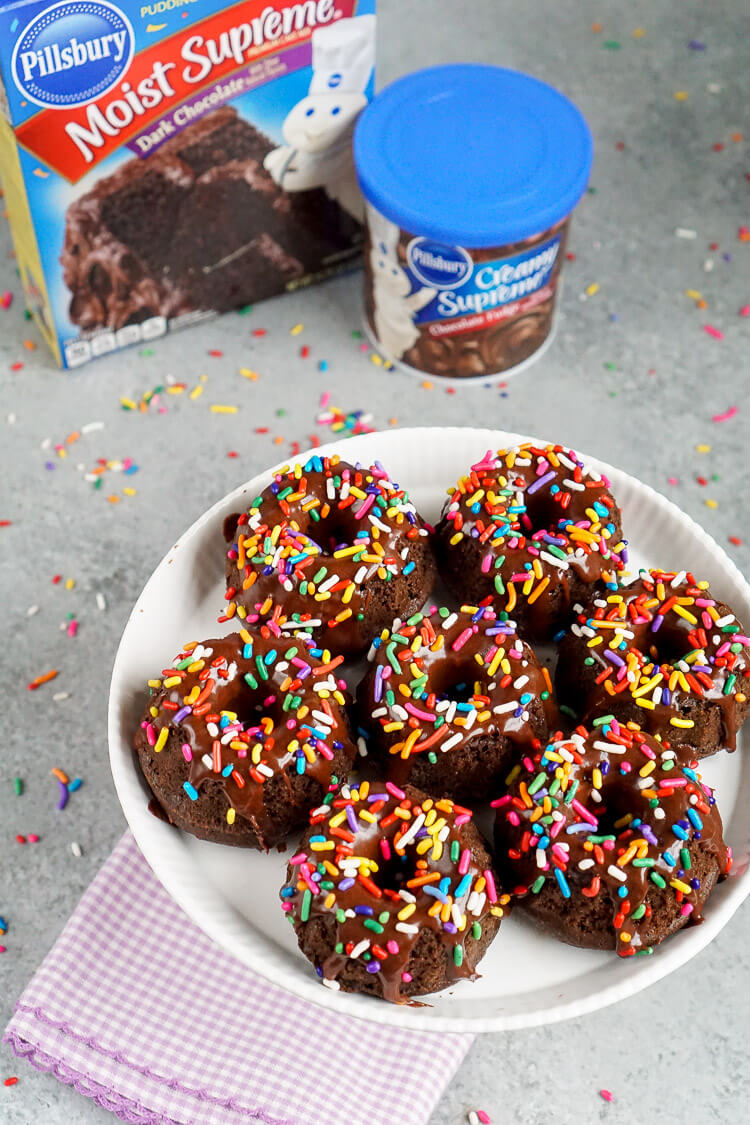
x: 632, y: 377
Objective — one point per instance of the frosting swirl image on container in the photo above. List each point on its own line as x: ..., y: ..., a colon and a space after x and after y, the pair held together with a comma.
x: 470, y: 174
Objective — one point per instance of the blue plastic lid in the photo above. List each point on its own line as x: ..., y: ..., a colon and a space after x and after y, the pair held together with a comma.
x: 473, y: 155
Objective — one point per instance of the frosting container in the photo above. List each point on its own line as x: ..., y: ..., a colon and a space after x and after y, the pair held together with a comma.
x: 470, y: 174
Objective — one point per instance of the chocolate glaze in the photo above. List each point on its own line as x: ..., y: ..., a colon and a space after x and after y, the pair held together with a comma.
x: 531, y: 527
x: 284, y: 548
x: 156, y: 810
x: 660, y: 633
x: 198, y: 224
x: 406, y: 700
x: 289, y: 708
x: 605, y: 812
x: 375, y: 854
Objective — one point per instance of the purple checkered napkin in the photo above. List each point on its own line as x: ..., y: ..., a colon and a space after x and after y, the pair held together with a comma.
x: 140, y: 1011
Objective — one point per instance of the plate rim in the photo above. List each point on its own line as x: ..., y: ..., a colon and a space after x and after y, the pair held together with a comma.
x: 146, y: 828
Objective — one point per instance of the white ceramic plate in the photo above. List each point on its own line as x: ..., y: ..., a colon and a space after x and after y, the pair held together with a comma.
x: 232, y: 893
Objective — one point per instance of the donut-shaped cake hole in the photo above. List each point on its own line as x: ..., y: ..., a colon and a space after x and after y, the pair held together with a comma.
x: 388, y: 867
x: 451, y: 688
x: 252, y: 715
x: 330, y: 534
x: 611, y: 804
x: 665, y: 640
x: 391, y: 875
x: 545, y: 508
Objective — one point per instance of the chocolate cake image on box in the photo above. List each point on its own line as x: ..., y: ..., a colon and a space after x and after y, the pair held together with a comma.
x: 198, y: 225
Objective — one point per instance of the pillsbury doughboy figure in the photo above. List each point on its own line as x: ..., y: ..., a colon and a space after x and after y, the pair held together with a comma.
x: 395, y: 306
x: 318, y: 130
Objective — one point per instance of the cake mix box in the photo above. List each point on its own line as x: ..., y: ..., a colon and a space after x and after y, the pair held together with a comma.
x: 165, y: 161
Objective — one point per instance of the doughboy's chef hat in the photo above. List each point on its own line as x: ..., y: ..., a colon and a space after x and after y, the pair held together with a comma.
x: 343, y: 55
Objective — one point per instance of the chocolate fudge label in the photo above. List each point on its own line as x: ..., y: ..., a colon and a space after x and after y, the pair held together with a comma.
x: 484, y: 291
x: 72, y: 52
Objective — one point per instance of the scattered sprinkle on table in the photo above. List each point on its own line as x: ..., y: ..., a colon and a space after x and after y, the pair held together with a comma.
x: 44, y: 679
x: 353, y: 422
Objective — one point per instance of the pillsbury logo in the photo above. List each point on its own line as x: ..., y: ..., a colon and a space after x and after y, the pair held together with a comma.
x: 72, y: 52
x: 438, y: 265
